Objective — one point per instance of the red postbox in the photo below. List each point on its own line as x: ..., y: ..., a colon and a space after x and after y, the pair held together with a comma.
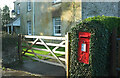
x: 83, y: 49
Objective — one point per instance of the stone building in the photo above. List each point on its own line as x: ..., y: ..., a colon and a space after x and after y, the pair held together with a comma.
x: 14, y: 25
x: 90, y: 9
x: 119, y: 9
x: 0, y: 20
x: 47, y: 18
x: 56, y: 18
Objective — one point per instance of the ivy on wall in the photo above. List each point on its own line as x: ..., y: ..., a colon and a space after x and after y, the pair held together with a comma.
x: 100, y: 28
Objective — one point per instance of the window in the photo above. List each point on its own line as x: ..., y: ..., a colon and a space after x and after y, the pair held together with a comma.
x: 28, y: 6
x: 18, y: 8
x: 29, y: 27
x: 57, y: 26
x: 56, y: 1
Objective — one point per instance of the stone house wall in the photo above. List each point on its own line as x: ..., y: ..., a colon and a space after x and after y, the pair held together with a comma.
x: 119, y: 8
x: 44, y: 14
x: 69, y: 12
x: 0, y: 21
x: 90, y: 9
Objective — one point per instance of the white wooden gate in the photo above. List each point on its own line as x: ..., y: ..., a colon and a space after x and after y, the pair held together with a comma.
x: 41, y: 40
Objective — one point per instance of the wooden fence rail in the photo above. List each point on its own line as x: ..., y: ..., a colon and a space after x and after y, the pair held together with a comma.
x: 19, y: 46
x: 45, y: 37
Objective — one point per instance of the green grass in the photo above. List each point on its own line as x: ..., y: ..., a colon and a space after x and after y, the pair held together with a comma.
x: 51, y: 47
x: 43, y: 47
x: 40, y: 52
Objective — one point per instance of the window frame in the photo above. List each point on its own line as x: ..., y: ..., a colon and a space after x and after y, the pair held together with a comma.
x: 29, y: 6
x: 18, y: 8
x: 54, y: 26
x: 29, y: 27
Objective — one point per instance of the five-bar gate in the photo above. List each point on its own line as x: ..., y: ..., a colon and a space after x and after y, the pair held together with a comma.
x: 28, y: 42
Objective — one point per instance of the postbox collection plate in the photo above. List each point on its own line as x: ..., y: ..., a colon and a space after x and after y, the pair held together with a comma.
x: 83, y: 48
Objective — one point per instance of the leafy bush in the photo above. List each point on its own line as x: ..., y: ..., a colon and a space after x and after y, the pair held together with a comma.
x: 9, y: 40
x: 9, y: 49
x: 108, y: 21
x: 100, y: 28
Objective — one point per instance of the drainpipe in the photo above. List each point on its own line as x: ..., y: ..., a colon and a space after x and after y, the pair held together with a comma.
x: 8, y: 29
x: 12, y: 28
x: 33, y: 18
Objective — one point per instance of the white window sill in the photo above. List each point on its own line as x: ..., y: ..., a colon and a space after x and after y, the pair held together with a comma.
x: 29, y: 34
x: 29, y: 10
x: 57, y: 34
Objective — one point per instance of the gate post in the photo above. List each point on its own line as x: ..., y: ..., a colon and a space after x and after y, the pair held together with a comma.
x: 113, y: 55
x: 19, y: 46
x: 67, y: 50
x: 119, y: 57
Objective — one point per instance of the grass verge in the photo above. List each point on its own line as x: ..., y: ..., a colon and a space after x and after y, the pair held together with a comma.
x: 41, y: 52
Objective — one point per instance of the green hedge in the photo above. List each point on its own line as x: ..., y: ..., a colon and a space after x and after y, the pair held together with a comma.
x: 108, y: 21
x: 9, y: 40
x: 100, y: 28
x: 9, y: 49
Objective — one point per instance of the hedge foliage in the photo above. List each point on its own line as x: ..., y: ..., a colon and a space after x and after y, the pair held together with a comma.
x: 9, y: 49
x: 100, y: 28
x: 9, y: 40
x: 108, y: 21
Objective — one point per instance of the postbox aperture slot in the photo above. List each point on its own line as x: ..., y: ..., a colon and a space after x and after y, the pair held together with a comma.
x: 85, y: 37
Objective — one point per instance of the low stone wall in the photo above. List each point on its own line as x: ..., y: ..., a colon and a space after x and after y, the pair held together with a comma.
x: 9, y: 49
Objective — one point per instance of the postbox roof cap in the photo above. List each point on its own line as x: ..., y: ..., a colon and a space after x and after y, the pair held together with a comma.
x: 84, y: 34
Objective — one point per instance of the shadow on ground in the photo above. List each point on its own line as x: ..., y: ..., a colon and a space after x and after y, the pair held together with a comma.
x: 40, y: 68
